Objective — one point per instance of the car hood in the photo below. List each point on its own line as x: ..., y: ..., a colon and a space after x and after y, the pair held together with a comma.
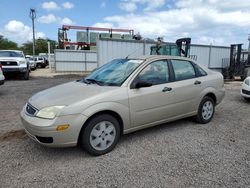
x: 12, y: 59
x: 67, y: 94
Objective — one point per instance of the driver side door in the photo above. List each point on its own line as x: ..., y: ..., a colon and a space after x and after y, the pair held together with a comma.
x: 149, y: 105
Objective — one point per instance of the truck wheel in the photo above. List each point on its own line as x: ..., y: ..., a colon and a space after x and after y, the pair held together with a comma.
x: 100, y: 135
x: 26, y: 75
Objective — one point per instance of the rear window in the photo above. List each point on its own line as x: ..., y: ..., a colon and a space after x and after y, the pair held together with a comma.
x: 200, y: 71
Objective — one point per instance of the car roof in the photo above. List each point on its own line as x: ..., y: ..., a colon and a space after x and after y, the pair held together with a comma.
x: 156, y: 57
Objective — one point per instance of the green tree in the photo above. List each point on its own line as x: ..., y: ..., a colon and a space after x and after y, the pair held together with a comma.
x: 6, y: 44
x: 41, y: 46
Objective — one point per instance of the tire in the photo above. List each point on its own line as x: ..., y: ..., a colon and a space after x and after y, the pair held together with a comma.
x: 247, y: 99
x: 242, y: 78
x: 100, y: 134
x: 206, y: 110
x: 26, y: 75
x: 39, y: 66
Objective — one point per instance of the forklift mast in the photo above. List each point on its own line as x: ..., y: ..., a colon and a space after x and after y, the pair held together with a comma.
x: 236, y: 66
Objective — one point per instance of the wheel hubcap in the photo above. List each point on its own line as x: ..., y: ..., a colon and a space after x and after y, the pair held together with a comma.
x: 102, y: 135
x: 207, y: 110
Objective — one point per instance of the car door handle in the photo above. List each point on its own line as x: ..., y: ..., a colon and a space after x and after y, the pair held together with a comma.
x: 197, y: 82
x: 165, y: 89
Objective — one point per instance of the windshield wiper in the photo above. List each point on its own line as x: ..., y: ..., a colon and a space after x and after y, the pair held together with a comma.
x: 90, y: 80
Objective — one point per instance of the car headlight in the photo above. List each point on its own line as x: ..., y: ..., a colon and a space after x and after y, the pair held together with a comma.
x: 49, y: 112
x: 22, y: 62
x: 247, y: 81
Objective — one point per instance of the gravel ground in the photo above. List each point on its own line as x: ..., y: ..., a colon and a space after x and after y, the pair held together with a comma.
x: 177, y: 154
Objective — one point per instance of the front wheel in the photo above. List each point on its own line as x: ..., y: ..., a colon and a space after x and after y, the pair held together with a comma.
x: 247, y: 99
x: 206, y: 110
x: 100, y: 135
x: 26, y: 75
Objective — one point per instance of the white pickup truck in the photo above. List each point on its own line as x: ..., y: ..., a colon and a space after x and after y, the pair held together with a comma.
x: 13, y: 62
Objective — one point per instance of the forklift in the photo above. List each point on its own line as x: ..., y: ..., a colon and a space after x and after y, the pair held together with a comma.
x: 239, y: 63
x: 180, y: 48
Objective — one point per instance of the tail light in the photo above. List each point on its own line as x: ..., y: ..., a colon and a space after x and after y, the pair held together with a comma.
x: 0, y: 66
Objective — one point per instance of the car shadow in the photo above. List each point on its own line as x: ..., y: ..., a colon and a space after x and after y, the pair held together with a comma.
x: 78, y: 152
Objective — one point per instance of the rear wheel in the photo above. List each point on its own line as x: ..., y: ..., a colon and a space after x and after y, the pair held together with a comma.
x: 100, y: 135
x: 206, y: 110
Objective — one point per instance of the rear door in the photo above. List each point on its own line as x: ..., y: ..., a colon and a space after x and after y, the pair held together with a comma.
x: 187, y: 86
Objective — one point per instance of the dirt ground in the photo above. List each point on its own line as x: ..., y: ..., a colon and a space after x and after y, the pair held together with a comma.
x: 178, y: 154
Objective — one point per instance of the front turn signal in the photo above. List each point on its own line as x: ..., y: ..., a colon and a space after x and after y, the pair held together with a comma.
x: 62, y: 127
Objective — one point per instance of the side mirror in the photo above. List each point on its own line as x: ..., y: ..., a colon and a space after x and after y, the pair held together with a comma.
x: 140, y: 84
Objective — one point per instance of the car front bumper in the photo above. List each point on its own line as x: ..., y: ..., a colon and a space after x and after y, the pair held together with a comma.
x: 44, y: 131
x: 12, y: 70
x: 245, y: 90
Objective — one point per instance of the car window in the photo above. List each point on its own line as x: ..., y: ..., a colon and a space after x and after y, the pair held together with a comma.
x: 183, y: 70
x: 155, y: 73
x: 200, y: 71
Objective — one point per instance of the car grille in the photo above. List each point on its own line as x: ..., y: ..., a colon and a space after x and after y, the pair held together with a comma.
x: 245, y: 92
x: 8, y: 63
x: 30, y: 110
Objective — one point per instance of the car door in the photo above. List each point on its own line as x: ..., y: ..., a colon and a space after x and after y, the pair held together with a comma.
x: 152, y: 104
x: 187, y: 87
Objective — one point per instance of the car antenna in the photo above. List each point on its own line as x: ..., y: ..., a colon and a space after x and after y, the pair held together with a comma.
x: 135, y: 51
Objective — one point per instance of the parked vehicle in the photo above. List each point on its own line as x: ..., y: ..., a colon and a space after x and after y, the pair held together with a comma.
x: 2, y: 78
x: 120, y: 97
x: 13, y: 62
x: 245, y: 88
x: 32, y: 62
x: 41, y: 62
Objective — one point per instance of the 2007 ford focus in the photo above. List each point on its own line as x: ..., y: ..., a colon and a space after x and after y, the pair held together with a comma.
x: 120, y: 97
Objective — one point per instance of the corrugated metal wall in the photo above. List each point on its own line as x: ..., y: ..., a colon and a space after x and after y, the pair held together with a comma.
x: 113, y: 49
x: 108, y: 49
x: 74, y: 61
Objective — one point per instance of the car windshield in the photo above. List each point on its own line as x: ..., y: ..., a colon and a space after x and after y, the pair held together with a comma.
x: 113, y: 73
x: 10, y: 54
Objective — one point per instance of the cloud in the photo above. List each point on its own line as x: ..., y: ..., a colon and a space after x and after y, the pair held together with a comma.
x: 205, y: 21
x: 104, y: 25
x: 51, y: 5
x: 66, y: 21
x: 51, y: 18
x: 132, y: 5
x: 19, y: 32
x: 47, y: 19
x: 68, y: 5
x: 128, y: 6
x: 103, y: 4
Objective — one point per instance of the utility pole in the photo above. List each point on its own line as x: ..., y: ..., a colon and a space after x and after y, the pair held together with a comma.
x: 248, y: 57
x: 33, y: 16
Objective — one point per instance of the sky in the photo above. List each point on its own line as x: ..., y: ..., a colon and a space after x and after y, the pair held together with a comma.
x: 217, y: 22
